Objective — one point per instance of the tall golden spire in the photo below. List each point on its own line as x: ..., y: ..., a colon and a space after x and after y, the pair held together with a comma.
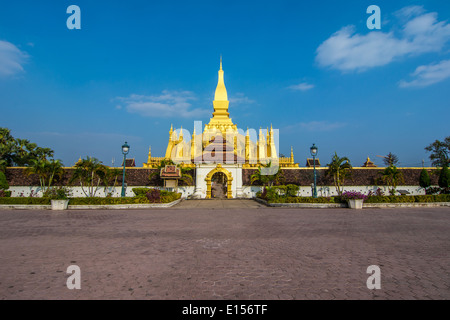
x: 220, y: 120
x: 221, y: 91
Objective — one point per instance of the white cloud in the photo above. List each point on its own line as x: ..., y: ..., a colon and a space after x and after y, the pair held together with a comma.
x: 167, y: 104
x: 315, y: 126
x: 302, y: 86
x: 348, y: 51
x: 11, y: 59
x: 239, y: 99
x: 429, y: 74
x: 409, y: 12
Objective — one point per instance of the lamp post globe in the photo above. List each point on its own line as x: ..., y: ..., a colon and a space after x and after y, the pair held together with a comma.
x: 314, y: 151
x: 125, y: 150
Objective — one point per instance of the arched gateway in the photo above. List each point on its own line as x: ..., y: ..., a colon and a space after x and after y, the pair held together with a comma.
x: 209, y: 177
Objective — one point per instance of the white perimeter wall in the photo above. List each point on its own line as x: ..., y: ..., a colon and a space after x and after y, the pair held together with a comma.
x: 329, y: 191
x: 19, y: 191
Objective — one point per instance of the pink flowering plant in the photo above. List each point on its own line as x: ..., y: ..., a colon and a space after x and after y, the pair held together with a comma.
x: 353, y: 195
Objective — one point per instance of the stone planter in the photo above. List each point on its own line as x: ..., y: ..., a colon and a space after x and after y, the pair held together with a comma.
x: 59, y: 204
x: 355, y: 203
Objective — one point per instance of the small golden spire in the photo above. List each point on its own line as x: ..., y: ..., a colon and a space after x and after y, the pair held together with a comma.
x: 221, y: 91
x: 149, y: 158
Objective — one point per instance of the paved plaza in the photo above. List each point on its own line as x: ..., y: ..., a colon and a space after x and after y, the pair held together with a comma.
x: 225, y: 249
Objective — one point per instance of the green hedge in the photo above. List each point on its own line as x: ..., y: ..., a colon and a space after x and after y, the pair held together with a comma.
x: 165, y: 198
x: 390, y: 199
x: 25, y: 200
x: 140, y: 191
x: 433, y: 198
x: 304, y: 200
x: 373, y: 199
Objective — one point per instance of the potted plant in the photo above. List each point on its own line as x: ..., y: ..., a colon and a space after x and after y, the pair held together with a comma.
x: 354, y: 199
x: 59, y: 197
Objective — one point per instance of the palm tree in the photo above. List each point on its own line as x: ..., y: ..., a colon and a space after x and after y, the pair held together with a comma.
x: 111, y: 175
x: 392, y: 177
x: 185, y: 176
x: 41, y: 170
x: 46, y: 170
x: 89, y: 172
x: 42, y: 153
x: 55, y: 169
x: 340, y: 169
x: 257, y: 176
x: 268, y: 179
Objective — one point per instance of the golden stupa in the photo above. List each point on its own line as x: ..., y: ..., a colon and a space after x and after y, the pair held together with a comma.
x: 222, y: 142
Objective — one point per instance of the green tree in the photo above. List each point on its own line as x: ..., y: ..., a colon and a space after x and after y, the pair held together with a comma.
x: 424, y: 179
x: 267, y: 179
x: 90, y: 173
x: 7, y: 148
x: 46, y: 170
x: 340, y: 169
x: 444, y: 178
x: 440, y: 151
x: 110, y: 179
x: 392, y: 176
x: 390, y: 160
x: 257, y: 176
x: 3, y: 182
x: 20, y: 152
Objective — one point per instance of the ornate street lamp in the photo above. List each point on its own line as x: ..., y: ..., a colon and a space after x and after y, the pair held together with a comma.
x: 125, y: 150
x: 314, y: 150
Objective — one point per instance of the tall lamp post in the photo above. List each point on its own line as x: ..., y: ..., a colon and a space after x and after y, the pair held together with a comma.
x: 313, y: 150
x: 125, y: 150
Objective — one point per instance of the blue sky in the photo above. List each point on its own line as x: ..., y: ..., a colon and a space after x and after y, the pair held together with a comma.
x: 311, y: 69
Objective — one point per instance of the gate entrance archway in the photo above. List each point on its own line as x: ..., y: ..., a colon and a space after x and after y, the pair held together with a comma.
x: 217, y: 176
x: 219, y: 185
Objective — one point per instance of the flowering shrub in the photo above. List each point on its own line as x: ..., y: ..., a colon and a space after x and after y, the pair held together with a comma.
x: 378, y: 193
x: 56, y: 193
x: 154, y: 195
x: 4, y: 194
x: 353, y: 195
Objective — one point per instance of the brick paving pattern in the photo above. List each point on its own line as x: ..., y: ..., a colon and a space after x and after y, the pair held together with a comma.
x: 225, y: 249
